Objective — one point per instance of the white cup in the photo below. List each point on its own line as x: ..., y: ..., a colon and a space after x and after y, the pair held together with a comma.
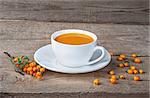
x: 75, y: 55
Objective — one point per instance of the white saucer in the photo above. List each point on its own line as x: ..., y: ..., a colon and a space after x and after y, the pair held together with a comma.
x: 46, y: 58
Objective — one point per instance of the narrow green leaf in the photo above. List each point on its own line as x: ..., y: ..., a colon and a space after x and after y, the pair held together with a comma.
x: 19, y: 60
x: 26, y: 57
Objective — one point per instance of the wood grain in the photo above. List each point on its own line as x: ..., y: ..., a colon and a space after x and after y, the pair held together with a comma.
x: 25, y: 37
x: 92, y: 11
x: 117, y: 38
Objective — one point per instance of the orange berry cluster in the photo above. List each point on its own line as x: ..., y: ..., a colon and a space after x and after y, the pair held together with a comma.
x: 134, y: 56
x: 121, y: 57
x: 125, y: 63
x: 122, y: 65
x: 113, y: 79
x: 134, y: 70
x: 33, y: 69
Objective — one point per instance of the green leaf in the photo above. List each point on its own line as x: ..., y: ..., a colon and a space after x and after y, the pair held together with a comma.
x: 26, y: 63
x: 19, y: 60
x: 21, y: 65
x: 26, y: 57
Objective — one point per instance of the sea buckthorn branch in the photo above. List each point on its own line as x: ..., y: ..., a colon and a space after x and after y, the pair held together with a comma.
x: 11, y: 58
x: 23, y: 65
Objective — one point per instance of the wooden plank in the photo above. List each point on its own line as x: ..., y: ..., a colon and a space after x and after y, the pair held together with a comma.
x: 93, y: 11
x: 32, y: 35
x: 25, y: 37
x: 74, y: 83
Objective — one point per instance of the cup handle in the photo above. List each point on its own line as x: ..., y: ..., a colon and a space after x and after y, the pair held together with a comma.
x: 99, y: 58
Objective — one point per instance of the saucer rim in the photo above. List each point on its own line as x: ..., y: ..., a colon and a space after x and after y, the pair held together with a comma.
x: 73, y: 72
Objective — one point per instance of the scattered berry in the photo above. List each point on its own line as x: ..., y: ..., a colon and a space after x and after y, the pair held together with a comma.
x: 129, y: 71
x: 113, y: 77
x: 112, y: 72
x: 96, y: 82
x: 121, y: 65
x: 126, y: 64
x: 137, y: 60
x: 123, y: 56
x: 121, y: 76
x: 141, y: 71
x: 136, y: 78
x: 133, y: 55
x: 132, y: 67
x: 135, y: 71
x: 113, y: 81
x: 120, y: 59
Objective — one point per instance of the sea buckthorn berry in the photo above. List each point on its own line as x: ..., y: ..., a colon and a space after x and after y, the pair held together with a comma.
x: 121, y: 76
x: 121, y: 65
x: 129, y: 71
x: 141, y: 71
x: 137, y: 60
x: 32, y: 64
x: 24, y: 69
x: 120, y: 59
x: 34, y: 69
x: 123, y: 56
x: 34, y: 74
x: 112, y: 72
x: 113, y: 77
x: 132, y: 67
x: 126, y: 64
x: 17, y: 65
x: 38, y: 77
x: 113, y: 81
x: 15, y: 59
x: 38, y: 74
x: 31, y: 72
x: 38, y: 67
x: 135, y: 71
x: 96, y: 82
x: 133, y: 55
x: 42, y: 69
x: 28, y: 72
x: 136, y: 78
x: 26, y: 65
x: 29, y: 69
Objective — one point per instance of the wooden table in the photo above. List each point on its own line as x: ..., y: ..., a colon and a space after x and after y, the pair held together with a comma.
x: 25, y: 37
x: 87, y: 11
